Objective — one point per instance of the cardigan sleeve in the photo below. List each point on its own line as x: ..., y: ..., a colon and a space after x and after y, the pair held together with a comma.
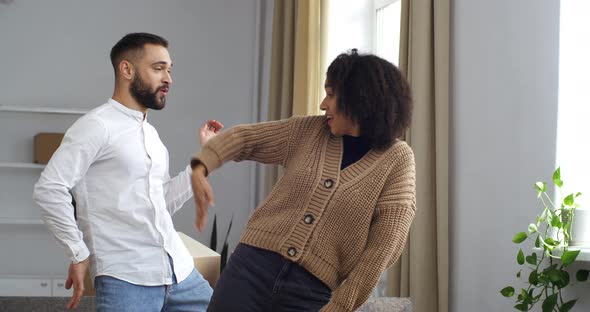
x: 390, y: 225
x: 266, y: 142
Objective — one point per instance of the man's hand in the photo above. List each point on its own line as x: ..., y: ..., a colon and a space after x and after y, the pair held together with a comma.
x: 203, y: 195
x: 76, y: 274
x: 209, y: 130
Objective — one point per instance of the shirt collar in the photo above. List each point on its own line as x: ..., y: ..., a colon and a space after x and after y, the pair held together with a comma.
x: 126, y: 110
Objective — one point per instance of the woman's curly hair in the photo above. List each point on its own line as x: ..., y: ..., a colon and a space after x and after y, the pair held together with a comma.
x: 373, y: 93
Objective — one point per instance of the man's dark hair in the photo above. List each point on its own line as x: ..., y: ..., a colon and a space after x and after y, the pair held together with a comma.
x: 373, y: 93
x: 131, y: 46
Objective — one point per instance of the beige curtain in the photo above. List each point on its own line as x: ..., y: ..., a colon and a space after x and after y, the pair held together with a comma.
x: 297, y: 63
x: 423, y: 270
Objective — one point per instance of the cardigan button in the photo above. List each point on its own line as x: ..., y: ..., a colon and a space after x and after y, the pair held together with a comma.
x: 292, y: 251
x: 329, y: 183
x: 308, y: 219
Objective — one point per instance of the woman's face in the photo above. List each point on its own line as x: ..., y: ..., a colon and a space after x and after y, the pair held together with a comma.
x: 339, y: 123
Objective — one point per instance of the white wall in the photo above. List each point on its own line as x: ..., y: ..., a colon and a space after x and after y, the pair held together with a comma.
x: 503, y: 130
x: 56, y: 53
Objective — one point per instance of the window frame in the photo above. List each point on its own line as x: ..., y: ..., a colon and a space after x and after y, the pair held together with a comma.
x: 376, y: 6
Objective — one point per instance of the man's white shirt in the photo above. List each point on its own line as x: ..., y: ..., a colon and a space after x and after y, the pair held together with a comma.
x: 117, y: 168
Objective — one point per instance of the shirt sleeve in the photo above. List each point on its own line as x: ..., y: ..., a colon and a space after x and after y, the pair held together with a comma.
x: 80, y: 147
x: 178, y: 190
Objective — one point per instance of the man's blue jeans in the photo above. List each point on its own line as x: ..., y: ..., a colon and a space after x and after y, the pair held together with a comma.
x: 192, y: 294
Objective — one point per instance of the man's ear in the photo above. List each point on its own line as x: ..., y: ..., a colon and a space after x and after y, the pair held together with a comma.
x: 126, y: 69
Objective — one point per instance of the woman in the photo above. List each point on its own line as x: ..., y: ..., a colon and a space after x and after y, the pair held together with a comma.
x: 341, y: 212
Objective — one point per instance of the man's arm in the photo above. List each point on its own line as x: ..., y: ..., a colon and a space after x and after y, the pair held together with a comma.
x: 178, y: 189
x: 66, y: 168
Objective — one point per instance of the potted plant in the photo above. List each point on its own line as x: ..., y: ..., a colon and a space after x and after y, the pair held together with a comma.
x: 552, y: 254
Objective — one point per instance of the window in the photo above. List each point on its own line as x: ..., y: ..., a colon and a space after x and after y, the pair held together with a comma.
x: 369, y: 26
x: 386, y: 34
x: 573, y: 122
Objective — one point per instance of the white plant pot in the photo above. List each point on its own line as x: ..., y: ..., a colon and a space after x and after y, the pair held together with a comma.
x: 581, y: 228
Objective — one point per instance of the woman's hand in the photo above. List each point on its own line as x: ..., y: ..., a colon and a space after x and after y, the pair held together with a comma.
x: 209, y: 130
x: 203, y: 195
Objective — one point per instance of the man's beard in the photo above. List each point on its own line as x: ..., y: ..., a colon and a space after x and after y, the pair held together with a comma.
x: 142, y: 94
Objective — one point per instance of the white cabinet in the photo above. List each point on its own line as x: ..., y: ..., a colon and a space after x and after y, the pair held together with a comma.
x: 59, y: 288
x: 25, y: 287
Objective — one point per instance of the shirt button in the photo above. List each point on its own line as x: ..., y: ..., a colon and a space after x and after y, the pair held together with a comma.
x: 292, y: 251
x: 308, y: 219
x: 328, y: 183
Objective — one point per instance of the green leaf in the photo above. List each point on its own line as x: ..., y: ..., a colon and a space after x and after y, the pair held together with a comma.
x: 554, y: 275
x: 519, y: 238
x: 578, y: 194
x: 532, y: 259
x: 537, y: 242
x: 569, y: 256
x: 522, y: 307
x: 569, y: 200
x: 568, y: 305
x: 555, y: 222
x: 520, y: 257
x: 549, y: 303
x: 543, y: 216
x: 543, y: 279
x: 532, y: 228
x: 530, y: 298
x: 540, y: 187
x: 518, y: 274
x: 507, y: 291
x: 534, y: 278
x: 564, y: 280
x: 523, y: 295
x: 582, y: 275
x: 557, y: 177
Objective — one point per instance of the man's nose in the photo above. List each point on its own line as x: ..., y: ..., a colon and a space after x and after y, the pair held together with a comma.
x: 168, y: 78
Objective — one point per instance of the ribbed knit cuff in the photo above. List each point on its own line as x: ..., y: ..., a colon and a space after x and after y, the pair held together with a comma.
x: 208, y: 158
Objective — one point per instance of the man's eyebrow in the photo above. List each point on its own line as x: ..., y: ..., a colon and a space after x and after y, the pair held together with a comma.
x: 161, y: 63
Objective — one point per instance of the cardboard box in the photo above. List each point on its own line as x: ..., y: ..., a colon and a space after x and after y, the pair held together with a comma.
x: 207, y: 262
x: 45, y: 146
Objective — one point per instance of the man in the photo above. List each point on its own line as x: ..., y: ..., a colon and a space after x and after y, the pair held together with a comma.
x: 114, y: 163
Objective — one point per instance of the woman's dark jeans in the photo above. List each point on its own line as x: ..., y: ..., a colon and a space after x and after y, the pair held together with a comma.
x: 259, y: 280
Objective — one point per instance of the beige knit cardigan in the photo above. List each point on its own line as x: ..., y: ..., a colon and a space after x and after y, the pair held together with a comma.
x: 344, y: 226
